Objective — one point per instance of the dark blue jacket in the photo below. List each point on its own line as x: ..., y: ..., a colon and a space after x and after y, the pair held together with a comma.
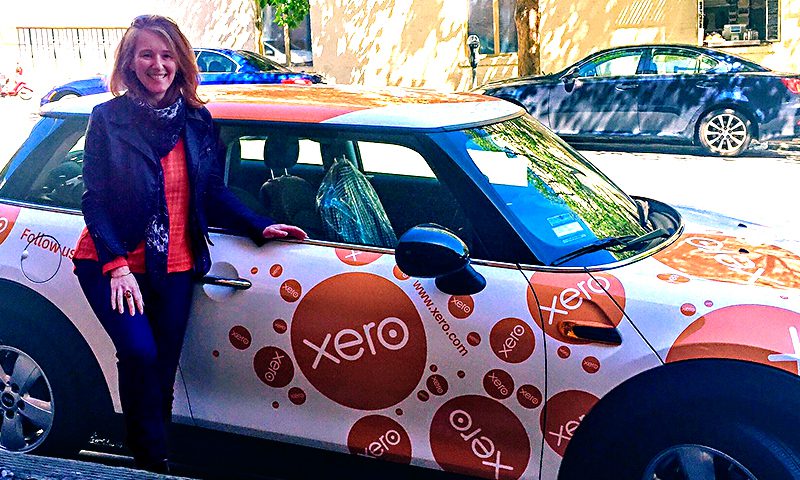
x: 120, y: 173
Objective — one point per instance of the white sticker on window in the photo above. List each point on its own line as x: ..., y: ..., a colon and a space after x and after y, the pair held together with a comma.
x: 567, y: 227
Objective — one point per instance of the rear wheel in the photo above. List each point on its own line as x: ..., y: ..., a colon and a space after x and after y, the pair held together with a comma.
x: 725, y: 132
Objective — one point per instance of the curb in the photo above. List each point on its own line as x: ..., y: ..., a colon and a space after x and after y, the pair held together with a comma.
x: 21, y: 466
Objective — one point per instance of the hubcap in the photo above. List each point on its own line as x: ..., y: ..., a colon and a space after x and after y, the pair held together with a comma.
x: 725, y: 133
x: 695, y: 462
x: 26, y: 401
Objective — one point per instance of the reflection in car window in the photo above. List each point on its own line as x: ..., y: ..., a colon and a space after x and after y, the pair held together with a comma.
x: 261, y: 63
x: 563, y: 200
x: 209, y: 62
x: 396, y: 159
x: 680, y: 62
x: 613, y: 64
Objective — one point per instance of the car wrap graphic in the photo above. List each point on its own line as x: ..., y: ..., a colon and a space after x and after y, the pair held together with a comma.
x: 728, y: 259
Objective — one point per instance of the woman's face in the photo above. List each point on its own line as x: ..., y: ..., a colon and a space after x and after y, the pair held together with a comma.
x: 154, y: 64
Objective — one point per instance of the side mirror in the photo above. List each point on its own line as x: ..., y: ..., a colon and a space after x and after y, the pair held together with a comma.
x: 430, y: 251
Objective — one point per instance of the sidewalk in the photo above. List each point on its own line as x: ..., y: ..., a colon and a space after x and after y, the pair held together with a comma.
x: 33, y: 467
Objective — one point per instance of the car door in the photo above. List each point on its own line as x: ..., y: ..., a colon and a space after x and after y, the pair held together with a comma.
x: 599, y: 97
x: 328, y: 343
x: 674, y: 87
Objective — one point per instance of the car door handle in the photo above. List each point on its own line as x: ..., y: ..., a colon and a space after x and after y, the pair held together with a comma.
x: 626, y: 86
x: 237, y: 283
x: 590, y: 331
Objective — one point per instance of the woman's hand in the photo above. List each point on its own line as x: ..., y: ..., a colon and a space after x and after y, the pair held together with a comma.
x: 125, y: 290
x: 281, y: 230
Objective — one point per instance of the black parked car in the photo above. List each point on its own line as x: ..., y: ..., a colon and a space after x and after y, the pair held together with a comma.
x: 667, y: 93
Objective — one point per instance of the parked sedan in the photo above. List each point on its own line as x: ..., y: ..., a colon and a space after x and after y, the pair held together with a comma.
x: 217, y: 66
x: 662, y: 93
x: 474, y: 297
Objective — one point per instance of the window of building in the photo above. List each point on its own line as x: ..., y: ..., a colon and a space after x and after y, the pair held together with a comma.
x: 493, y: 22
x: 740, y: 21
x: 299, y: 38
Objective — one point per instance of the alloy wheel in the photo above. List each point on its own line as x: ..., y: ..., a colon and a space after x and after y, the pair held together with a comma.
x: 725, y: 133
x: 695, y: 462
x: 26, y: 401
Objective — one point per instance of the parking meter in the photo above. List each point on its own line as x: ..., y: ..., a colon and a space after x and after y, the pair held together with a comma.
x: 474, y: 45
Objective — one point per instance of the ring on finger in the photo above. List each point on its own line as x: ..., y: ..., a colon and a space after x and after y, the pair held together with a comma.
x: 127, y: 294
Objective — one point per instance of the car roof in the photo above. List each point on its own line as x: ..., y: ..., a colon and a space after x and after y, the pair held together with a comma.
x: 333, y: 104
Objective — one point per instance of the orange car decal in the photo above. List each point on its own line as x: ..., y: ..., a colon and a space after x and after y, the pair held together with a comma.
x: 755, y: 333
x: 565, y: 411
x: 575, y: 296
x: 476, y: 435
x: 728, y: 259
x: 379, y: 348
x: 380, y: 437
x: 8, y: 217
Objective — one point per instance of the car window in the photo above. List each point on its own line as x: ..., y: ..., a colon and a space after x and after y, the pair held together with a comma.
x: 383, y: 185
x: 52, y: 173
x: 612, y: 64
x: 681, y: 62
x: 210, y: 62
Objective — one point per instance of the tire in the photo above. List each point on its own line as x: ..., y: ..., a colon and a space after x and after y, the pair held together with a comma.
x: 725, y: 132
x: 721, y: 427
x: 41, y: 394
x: 25, y: 93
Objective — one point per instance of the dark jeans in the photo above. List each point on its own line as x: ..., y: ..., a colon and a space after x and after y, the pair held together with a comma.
x: 148, y: 349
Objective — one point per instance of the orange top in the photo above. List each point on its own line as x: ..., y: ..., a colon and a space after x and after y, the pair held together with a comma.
x: 176, y: 190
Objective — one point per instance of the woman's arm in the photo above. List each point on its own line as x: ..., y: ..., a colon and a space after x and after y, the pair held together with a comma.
x: 99, y: 193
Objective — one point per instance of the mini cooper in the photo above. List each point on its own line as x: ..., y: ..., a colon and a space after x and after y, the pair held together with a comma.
x: 474, y: 298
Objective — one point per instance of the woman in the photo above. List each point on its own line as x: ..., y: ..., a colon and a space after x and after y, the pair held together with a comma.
x: 154, y: 180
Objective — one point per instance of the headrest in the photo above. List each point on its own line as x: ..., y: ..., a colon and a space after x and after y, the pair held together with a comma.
x: 235, y: 152
x: 281, y: 151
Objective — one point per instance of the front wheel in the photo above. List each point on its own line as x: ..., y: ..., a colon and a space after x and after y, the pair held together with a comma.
x: 25, y: 93
x: 725, y: 132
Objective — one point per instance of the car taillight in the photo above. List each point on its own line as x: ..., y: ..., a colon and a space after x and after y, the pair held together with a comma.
x: 296, y: 81
x: 793, y: 84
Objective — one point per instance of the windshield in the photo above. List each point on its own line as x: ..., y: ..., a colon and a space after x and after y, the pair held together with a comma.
x: 560, y: 198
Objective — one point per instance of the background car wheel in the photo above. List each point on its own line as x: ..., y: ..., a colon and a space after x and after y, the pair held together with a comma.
x: 25, y: 93
x: 66, y: 95
x: 725, y: 132
x: 692, y: 426
x: 45, y: 401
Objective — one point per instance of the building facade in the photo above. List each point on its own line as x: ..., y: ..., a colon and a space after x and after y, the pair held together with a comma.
x: 407, y: 42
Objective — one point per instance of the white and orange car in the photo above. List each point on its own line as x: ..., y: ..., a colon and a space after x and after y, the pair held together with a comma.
x: 475, y: 297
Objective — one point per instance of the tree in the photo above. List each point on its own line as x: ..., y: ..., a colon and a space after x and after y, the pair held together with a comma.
x: 288, y: 14
x: 258, y: 23
x: 526, y: 17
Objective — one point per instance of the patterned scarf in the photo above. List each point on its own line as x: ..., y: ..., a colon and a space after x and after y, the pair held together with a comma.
x: 162, y: 128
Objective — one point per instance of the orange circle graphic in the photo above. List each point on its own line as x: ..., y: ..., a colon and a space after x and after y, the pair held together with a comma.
x: 688, y: 309
x: 728, y: 259
x: 565, y: 411
x: 590, y: 364
x: 755, y: 333
x: 240, y: 337
x: 273, y: 367
x: 380, y: 437
x: 474, y: 339
x: 276, y: 270
x: 498, y: 384
x: 357, y: 258
x: 564, y: 351
x: 437, y: 385
x: 461, y: 306
x: 366, y: 355
x: 291, y: 290
x: 399, y: 274
x: 297, y: 396
x: 575, y: 296
x: 529, y: 396
x: 672, y: 278
x: 254, y: 271
x: 512, y: 340
x: 279, y: 325
x: 479, y: 436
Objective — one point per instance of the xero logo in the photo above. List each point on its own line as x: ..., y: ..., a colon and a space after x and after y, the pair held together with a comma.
x: 565, y: 411
x: 360, y: 341
x: 478, y: 436
x: 575, y: 296
x: 381, y: 437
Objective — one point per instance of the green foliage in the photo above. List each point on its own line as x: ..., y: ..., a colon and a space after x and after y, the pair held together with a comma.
x: 288, y: 13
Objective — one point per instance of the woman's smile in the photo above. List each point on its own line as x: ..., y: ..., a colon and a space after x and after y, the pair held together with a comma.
x: 154, y: 65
